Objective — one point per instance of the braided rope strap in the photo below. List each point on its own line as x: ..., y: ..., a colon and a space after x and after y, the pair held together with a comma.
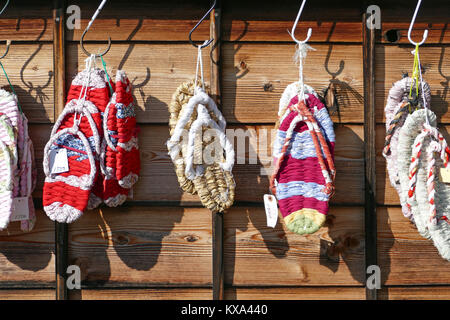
x: 437, y: 144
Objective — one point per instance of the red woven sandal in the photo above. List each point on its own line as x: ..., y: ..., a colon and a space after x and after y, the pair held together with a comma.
x: 66, y: 195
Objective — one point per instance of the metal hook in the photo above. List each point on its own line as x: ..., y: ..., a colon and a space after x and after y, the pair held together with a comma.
x: 196, y: 26
x: 87, y: 29
x: 295, y: 26
x: 425, y: 34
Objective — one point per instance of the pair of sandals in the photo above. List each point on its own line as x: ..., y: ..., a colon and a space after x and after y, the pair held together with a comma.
x: 17, y: 166
x: 98, y: 129
x: 415, y: 150
x: 202, y: 167
x: 304, y: 172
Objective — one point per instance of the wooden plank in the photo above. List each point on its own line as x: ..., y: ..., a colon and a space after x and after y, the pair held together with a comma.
x: 256, y: 255
x: 135, y: 246
x: 158, y: 181
x: 142, y: 294
x: 391, y: 61
x: 250, y: 79
x: 405, y: 258
x: 30, y: 69
x: 27, y: 259
x: 276, y: 30
x: 215, y: 49
x: 370, y: 182
x: 155, y: 70
x: 255, y: 76
x: 25, y: 28
x: 27, y: 294
x: 416, y: 293
x: 59, y: 65
x: 438, y: 33
x: 299, y: 293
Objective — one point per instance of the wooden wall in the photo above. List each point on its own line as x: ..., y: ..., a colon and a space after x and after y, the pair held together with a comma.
x: 158, y: 246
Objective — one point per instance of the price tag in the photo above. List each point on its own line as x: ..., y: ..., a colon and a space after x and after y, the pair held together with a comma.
x: 444, y: 175
x: 20, y: 210
x: 58, y: 161
x: 270, y: 204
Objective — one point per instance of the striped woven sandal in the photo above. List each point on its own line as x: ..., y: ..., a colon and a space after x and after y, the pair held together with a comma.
x: 428, y: 196
x: 397, y: 108
x: 8, y: 167
x: 25, y: 172
x: 78, y: 129
x: 120, y: 144
x: 303, y: 177
x: 212, y: 179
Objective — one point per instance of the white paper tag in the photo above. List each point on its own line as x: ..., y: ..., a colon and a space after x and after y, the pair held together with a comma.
x: 444, y: 175
x: 20, y: 210
x: 270, y: 204
x: 58, y: 161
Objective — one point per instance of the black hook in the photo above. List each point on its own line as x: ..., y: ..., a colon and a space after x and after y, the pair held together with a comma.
x: 196, y: 26
x: 87, y: 52
x: 87, y: 28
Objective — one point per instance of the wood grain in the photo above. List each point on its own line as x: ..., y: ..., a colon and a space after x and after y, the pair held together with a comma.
x: 27, y: 294
x: 405, y: 258
x: 438, y: 33
x: 255, y: 76
x: 256, y: 255
x: 27, y: 259
x: 155, y: 70
x: 30, y: 70
x: 391, y: 61
x: 140, y: 246
x: 264, y: 293
x: 169, y: 247
x: 158, y: 181
x: 416, y: 293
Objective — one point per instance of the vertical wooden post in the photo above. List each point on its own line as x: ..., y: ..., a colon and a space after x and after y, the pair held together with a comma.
x: 59, y: 63
x: 217, y: 219
x: 370, y: 215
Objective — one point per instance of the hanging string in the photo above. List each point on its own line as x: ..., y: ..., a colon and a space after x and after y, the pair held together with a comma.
x: 90, y: 63
x: 12, y: 88
x: 107, y: 76
x: 200, y: 64
x: 418, y: 80
x: 299, y: 58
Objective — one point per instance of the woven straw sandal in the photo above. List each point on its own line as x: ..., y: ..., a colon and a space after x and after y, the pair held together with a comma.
x: 213, y: 181
x: 398, y: 106
x: 179, y: 101
x: 303, y: 178
x: 66, y: 195
x: 8, y: 165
